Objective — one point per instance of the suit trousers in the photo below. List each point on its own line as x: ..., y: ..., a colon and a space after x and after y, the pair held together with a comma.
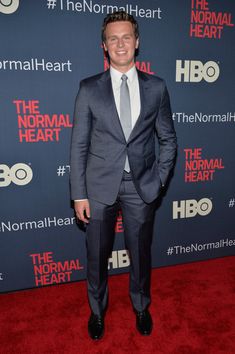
x: 138, y: 219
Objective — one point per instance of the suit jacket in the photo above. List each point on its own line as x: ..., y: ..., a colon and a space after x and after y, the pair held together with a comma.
x: 99, y: 148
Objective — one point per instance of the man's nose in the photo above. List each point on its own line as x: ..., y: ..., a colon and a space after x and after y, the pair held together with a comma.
x: 120, y: 42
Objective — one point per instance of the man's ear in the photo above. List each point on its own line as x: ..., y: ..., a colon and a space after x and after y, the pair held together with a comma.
x: 137, y: 43
x: 105, y: 47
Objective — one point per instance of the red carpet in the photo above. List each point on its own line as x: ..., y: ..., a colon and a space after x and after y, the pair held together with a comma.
x: 193, y: 307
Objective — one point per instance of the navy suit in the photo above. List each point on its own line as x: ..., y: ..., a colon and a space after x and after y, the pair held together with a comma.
x: 98, y: 153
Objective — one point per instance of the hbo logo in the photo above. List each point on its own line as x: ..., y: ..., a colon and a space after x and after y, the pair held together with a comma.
x: 195, y: 71
x: 190, y: 208
x: 20, y: 174
x: 8, y: 6
x: 119, y: 259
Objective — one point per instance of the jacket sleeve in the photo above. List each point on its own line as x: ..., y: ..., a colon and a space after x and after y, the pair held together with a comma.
x: 80, y: 144
x: 166, y: 136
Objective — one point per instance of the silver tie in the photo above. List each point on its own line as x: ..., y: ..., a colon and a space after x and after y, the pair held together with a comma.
x: 125, y: 113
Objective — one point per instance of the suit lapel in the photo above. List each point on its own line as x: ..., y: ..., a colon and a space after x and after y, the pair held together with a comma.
x: 144, y: 86
x: 105, y: 86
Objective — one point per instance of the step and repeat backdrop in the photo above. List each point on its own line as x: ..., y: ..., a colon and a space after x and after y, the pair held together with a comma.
x: 47, y: 47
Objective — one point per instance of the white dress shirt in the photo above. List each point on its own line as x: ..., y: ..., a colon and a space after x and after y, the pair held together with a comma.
x: 134, y: 90
x: 133, y: 85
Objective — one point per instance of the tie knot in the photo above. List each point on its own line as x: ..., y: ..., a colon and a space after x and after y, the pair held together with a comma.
x: 124, y: 77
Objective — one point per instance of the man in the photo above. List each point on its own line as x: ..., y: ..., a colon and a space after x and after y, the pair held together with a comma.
x: 114, y: 164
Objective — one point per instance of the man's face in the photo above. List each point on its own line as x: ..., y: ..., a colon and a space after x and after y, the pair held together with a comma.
x: 121, y: 44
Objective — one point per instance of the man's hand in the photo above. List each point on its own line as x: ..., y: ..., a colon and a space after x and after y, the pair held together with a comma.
x: 82, y: 210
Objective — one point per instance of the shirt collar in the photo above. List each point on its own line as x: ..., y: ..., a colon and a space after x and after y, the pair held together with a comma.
x: 116, y: 75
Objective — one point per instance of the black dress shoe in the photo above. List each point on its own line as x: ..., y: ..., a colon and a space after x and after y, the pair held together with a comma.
x: 144, y: 322
x: 96, y: 326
